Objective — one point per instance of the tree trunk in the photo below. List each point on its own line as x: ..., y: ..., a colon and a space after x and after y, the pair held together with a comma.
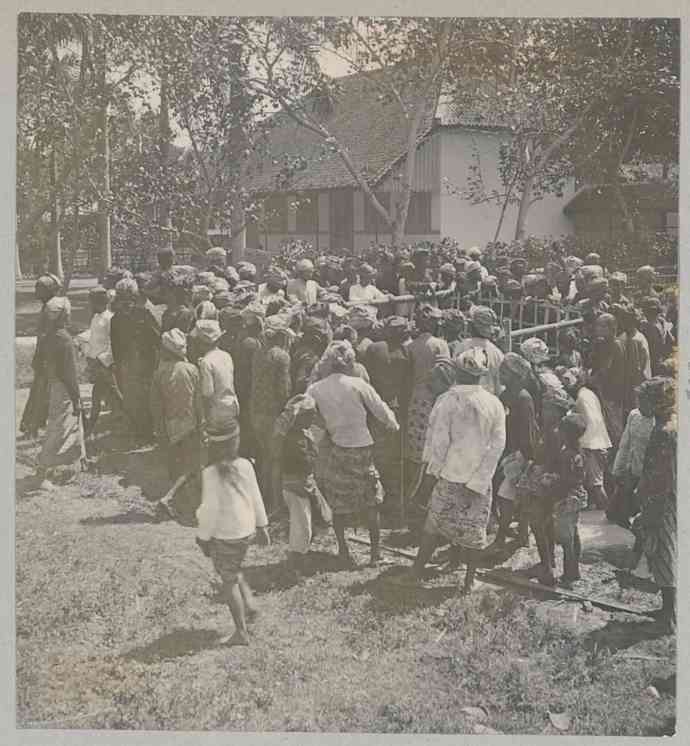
x: 55, y: 259
x: 238, y: 237
x: 103, y: 152
x: 628, y: 222
x: 164, y: 134
x: 17, y: 265
x: 525, y: 204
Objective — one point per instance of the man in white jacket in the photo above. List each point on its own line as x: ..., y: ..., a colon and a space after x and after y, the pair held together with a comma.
x: 231, y: 513
x: 465, y: 438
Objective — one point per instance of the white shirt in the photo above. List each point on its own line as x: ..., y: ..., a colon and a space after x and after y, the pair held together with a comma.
x: 596, y: 436
x: 365, y: 293
x: 465, y: 437
x: 217, y: 380
x: 344, y: 402
x: 231, y: 504
x: 491, y: 381
x: 99, y: 338
x: 303, y: 292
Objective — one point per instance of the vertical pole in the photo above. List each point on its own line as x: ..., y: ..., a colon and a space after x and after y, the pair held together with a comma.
x: 507, y: 328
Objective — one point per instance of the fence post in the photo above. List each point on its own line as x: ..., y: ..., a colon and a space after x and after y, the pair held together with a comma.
x: 507, y: 328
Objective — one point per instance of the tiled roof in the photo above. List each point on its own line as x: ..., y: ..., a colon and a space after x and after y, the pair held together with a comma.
x: 644, y: 196
x: 371, y: 126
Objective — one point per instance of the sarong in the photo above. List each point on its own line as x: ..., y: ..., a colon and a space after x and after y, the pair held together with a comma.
x: 459, y: 514
x: 421, y: 404
x: 661, y: 548
x: 348, y: 478
x: 63, y: 444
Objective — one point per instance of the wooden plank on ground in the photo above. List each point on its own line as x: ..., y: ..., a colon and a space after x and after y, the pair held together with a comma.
x: 505, y: 577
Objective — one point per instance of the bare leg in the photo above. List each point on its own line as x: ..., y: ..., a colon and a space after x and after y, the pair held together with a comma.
x: 250, y: 606
x: 426, y: 549
x: 339, y: 528
x: 237, y: 609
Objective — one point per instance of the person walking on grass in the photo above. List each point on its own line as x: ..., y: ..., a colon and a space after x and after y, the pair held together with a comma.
x: 656, y: 525
x: 231, y: 514
x: 99, y: 359
x: 595, y: 441
x: 64, y: 443
x: 629, y: 462
x: 346, y: 474
x: 178, y: 417
x: 35, y: 412
x: 217, y: 382
x: 464, y: 442
x: 294, y: 460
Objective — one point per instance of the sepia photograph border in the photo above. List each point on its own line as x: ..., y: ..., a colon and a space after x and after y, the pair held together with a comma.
x: 9, y: 733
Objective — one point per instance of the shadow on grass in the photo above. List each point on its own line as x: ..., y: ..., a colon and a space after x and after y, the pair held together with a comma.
x: 618, y: 635
x: 615, y: 555
x: 133, y: 516
x: 175, y: 644
x: 278, y: 577
x: 143, y: 467
x: 391, y: 598
x: 628, y: 580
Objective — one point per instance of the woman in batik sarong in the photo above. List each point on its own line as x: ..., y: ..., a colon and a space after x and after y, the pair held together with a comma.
x: 64, y: 443
x: 423, y: 352
x: 656, y: 525
x: 465, y: 440
x: 346, y: 473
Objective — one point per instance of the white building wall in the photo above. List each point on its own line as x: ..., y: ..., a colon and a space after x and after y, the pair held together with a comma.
x: 476, y: 224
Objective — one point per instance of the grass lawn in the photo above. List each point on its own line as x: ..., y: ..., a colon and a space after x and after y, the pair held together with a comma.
x: 118, y: 617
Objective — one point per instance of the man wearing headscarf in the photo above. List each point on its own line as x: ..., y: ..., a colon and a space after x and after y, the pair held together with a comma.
x: 609, y: 375
x: 271, y: 387
x: 423, y: 352
x: 645, y: 278
x: 178, y: 420
x: 99, y: 358
x: 135, y: 339
x: 522, y: 437
x: 275, y: 282
x: 483, y: 329
x: 243, y: 351
x: 216, y: 260
x: 658, y: 333
x: 35, y: 412
x: 303, y: 288
x: 365, y: 291
x: 64, y: 443
x: 617, y: 284
x: 388, y: 363
x: 307, y: 351
x: 178, y: 314
x: 637, y: 365
x: 464, y: 442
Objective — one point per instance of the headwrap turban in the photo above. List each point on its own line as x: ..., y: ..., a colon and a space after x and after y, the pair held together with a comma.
x: 246, y: 271
x: 517, y: 365
x: 206, y: 310
x: 127, y: 288
x: 200, y: 293
x: 473, y: 362
x: 175, y: 342
x: 207, y: 330
x: 535, y: 350
x: 484, y: 320
x: 57, y: 308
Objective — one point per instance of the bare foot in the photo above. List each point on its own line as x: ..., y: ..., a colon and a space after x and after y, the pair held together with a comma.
x: 236, y: 639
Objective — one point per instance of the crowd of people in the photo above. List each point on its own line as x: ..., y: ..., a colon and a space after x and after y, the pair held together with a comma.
x: 347, y: 389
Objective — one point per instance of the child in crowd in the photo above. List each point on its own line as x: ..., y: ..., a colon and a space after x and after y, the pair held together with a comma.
x: 231, y: 513
x: 295, y: 453
x: 571, y: 496
x: 595, y: 441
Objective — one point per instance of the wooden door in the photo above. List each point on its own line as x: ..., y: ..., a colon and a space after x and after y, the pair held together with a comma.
x: 342, y: 218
